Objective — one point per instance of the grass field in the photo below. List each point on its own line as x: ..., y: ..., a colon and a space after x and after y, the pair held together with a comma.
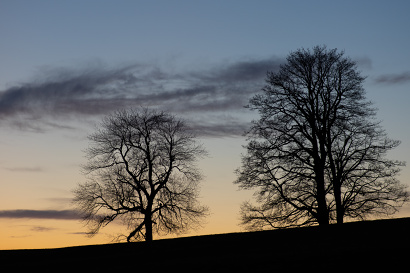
x: 353, y: 247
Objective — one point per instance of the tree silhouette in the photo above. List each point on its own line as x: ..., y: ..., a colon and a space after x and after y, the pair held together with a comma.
x: 317, y: 154
x: 141, y: 169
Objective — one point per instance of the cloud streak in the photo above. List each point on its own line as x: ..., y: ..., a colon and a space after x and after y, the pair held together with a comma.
x: 40, y: 214
x: 24, y: 169
x: 91, y: 92
x: 41, y: 229
x: 394, y: 78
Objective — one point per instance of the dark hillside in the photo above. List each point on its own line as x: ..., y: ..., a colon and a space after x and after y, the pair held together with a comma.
x: 380, y: 245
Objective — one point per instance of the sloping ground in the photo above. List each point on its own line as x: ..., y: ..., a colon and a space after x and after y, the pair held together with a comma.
x: 372, y: 245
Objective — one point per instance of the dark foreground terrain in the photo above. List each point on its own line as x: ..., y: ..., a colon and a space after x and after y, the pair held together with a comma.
x: 361, y: 246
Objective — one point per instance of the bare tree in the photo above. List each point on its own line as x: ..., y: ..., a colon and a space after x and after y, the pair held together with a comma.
x: 316, y: 152
x: 363, y: 180
x: 141, y: 169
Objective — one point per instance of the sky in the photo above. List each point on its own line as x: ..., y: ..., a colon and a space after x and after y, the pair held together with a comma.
x: 66, y: 64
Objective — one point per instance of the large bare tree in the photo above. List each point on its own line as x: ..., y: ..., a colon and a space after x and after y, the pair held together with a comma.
x: 317, y: 154
x: 142, y: 170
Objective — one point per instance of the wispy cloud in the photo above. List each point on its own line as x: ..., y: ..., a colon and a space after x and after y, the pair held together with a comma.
x: 364, y: 62
x: 394, y: 78
x: 41, y: 229
x: 220, y: 127
x: 60, y: 200
x: 95, y: 91
x: 24, y: 169
x: 40, y: 214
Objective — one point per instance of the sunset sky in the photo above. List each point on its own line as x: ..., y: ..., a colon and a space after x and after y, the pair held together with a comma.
x: 66, y: 64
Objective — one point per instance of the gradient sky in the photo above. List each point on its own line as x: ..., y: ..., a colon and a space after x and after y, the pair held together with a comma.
x: 65, y: 64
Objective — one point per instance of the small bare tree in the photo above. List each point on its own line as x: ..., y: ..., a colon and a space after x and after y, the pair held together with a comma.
x: 141, y: 169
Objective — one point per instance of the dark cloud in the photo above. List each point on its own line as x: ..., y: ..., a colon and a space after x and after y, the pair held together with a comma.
x: 393, y: 78
x: 62, y: 93
x: 40, y: 214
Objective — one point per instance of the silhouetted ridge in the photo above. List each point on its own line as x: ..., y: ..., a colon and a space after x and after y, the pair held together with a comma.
x: 380, y: 244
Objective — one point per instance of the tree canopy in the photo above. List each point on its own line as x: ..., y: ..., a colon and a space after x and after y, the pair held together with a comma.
x: 142, y: 170
x: 317, y: 154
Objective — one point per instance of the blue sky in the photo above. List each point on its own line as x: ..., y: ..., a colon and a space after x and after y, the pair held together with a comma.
x: 65, y: 64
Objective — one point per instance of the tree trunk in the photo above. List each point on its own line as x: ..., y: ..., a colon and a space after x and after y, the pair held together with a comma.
x: 319, y: 169
x: 148, y: 228
x: 338, y: 200
x: 322, y: 211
